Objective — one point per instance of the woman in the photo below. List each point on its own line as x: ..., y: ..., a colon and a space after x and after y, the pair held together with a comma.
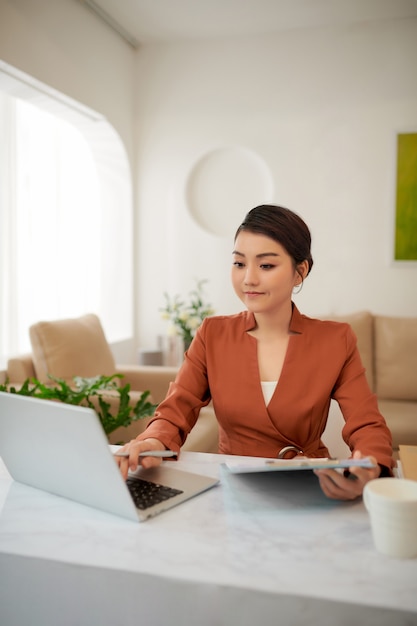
x: 270, y: 371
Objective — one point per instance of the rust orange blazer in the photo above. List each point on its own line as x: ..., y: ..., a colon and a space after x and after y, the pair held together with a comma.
x: 322, y: 362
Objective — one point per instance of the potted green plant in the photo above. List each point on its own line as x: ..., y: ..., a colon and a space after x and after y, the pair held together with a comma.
x: 186, y: 317
x: 82, y: 393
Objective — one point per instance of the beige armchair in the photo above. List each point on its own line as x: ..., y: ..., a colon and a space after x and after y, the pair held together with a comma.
x: 78, y: 347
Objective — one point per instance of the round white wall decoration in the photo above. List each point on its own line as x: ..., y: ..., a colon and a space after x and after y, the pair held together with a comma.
x: 224, y: 185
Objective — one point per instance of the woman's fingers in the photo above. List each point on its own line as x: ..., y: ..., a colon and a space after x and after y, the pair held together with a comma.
x: 134, y: 448
x: 349, y: 485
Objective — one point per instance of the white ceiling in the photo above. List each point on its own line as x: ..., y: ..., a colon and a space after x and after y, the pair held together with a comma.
x: 174, y: 20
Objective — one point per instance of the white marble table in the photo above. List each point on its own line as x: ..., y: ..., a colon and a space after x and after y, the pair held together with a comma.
x: 256, y: 550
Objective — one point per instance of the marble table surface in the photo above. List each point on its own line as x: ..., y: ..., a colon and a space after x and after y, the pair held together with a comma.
x: 272, y: 534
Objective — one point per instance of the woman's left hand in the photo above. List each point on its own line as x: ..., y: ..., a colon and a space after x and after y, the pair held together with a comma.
x: 339, y: 487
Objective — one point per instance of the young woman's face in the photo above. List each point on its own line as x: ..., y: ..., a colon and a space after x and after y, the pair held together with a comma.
x: 263, y: 273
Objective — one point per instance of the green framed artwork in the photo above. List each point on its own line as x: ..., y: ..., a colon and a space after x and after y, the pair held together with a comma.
x: 406, y: 198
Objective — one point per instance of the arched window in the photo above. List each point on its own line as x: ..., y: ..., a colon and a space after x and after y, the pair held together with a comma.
x: 65, y: 219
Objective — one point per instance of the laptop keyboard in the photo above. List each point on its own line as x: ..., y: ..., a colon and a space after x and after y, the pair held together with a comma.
x: 146, y: 494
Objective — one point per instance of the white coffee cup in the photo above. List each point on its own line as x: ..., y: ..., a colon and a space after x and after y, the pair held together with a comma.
x: 392, y: 507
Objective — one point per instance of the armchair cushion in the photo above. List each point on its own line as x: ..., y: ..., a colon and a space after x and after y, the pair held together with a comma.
x: 401, y: 417
x: 72, y: 347
x: 396, y: 357
x: 20, y: 368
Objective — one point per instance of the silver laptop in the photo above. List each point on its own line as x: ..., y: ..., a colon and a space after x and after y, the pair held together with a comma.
x: 62, y: 449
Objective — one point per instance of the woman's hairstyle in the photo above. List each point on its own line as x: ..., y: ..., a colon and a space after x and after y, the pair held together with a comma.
x: 283, y: 226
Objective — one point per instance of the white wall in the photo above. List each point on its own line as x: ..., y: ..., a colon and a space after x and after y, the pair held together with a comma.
x: 321, y: 108
x: 64, y: 45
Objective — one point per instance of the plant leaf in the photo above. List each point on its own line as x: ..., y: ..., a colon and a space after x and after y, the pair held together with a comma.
x: 81, y: 393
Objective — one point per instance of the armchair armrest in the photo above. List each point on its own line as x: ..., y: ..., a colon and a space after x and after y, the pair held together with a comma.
x: 143, y: 377
x: 20, y: 368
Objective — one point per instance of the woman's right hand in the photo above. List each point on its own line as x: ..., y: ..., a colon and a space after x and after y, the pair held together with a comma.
x: 134, y: 447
